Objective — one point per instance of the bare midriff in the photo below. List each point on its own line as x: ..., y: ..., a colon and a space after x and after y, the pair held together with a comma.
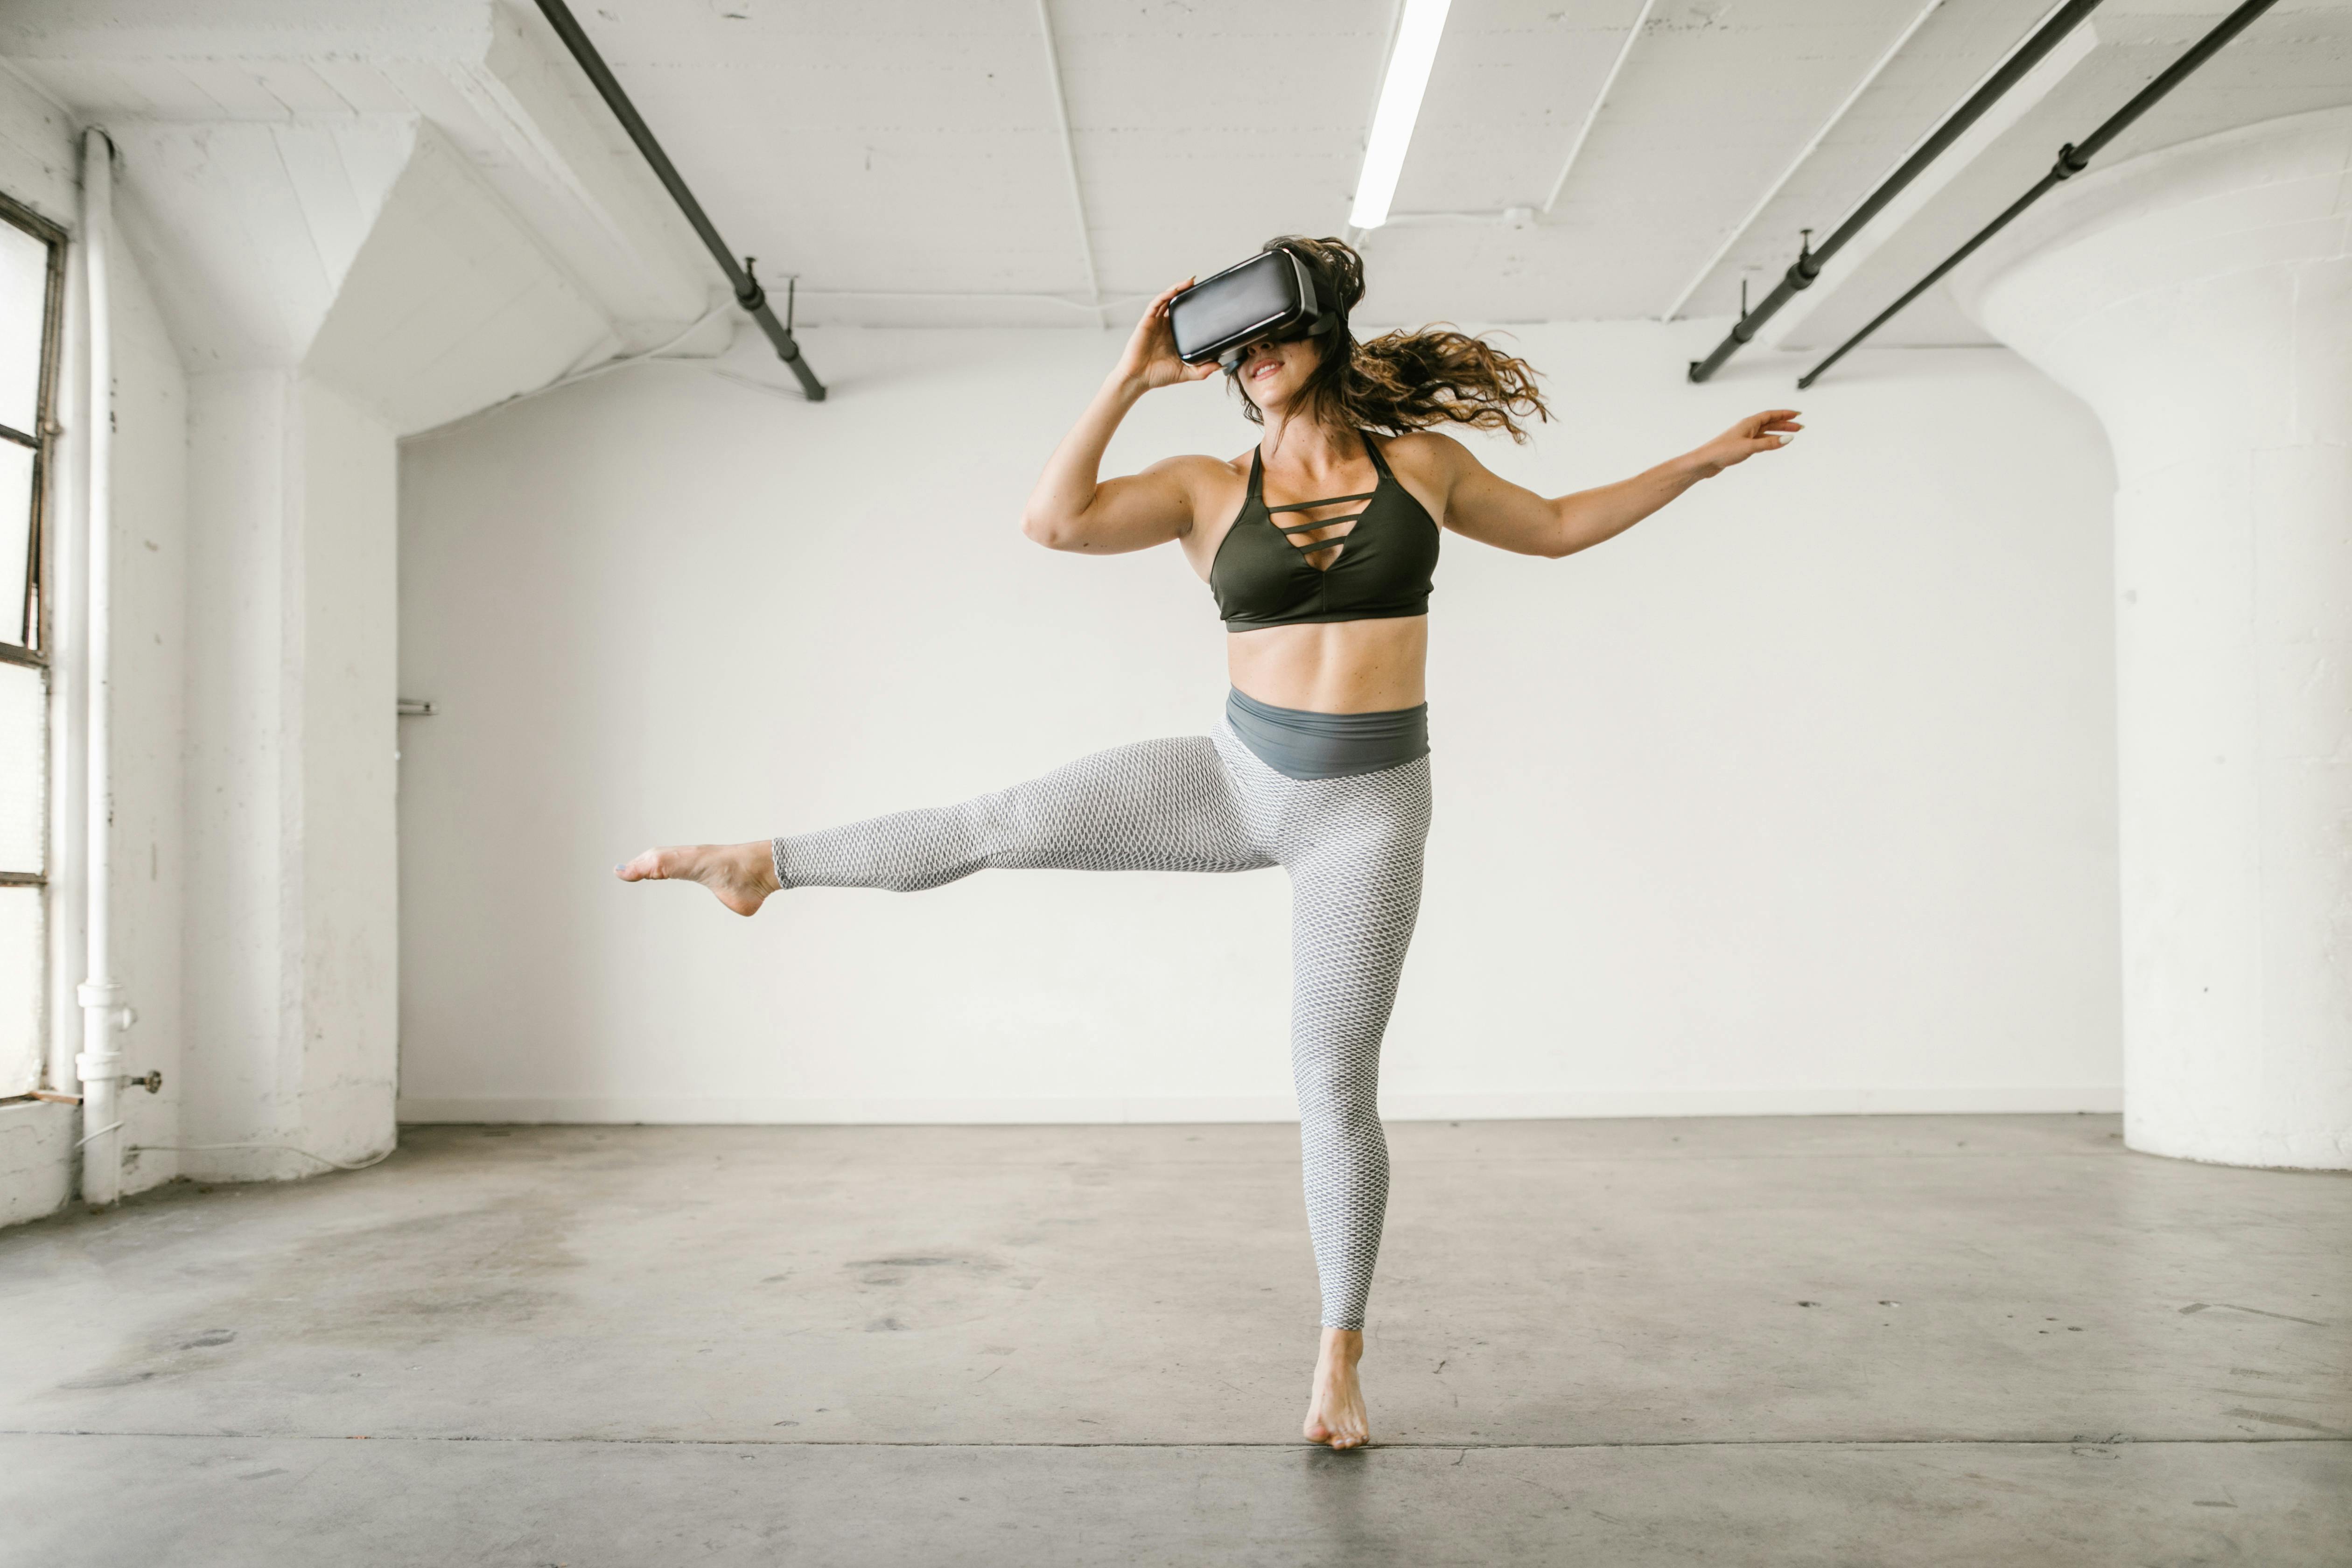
x: 1334, y: 667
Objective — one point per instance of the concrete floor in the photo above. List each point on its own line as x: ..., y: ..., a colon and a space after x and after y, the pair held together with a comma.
x: 1871, y: 1340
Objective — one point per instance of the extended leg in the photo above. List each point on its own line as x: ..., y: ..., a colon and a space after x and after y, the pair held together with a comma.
x: 1156, y: 805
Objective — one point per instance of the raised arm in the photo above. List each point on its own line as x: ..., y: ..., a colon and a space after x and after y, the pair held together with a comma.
x: 1073, y: 507
x: 1493, y: 511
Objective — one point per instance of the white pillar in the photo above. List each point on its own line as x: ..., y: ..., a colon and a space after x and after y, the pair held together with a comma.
x: 292, y: 899
x: 2199, y: 299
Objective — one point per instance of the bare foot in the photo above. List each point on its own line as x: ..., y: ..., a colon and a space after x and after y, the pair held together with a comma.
x: 1335, y: 1407
x: 741, y: 875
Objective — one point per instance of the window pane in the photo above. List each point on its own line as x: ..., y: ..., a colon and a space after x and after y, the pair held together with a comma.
x: 24, y: 776
x: 20, y: 990
x: 24, y: 304
x: 15, y: 538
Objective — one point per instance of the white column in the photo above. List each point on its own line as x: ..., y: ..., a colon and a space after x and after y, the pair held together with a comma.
x: 292, y: 895
x: 2199, y: 299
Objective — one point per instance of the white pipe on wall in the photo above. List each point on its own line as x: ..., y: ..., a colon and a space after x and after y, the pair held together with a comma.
x: 100, y: 1066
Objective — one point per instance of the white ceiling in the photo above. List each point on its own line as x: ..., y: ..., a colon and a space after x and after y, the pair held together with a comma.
x: 912, y: 148
x: 905, y: 158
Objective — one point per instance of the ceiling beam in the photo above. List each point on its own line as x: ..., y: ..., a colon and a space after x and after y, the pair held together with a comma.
x: 1070, y: 160
x: 1739, y: 230
x: 1593, y: 115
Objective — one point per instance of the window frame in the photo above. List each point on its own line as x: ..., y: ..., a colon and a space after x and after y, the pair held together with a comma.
x: 26, y: 642
x: 25, y: 627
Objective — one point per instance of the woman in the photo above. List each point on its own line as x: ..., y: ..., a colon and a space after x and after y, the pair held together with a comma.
x: 1321, y: 763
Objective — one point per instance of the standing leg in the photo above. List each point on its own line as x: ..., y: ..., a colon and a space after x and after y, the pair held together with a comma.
x: 1354, y: 849
x: 1356, y: 890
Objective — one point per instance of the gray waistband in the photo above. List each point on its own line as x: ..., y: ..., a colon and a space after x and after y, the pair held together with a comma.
x: 1303, y: 745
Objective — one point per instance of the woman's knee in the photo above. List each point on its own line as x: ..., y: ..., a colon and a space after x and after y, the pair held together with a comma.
x: 1341, y: 1115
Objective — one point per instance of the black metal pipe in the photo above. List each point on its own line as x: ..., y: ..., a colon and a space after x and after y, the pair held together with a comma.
x: 2073, y: 159
x: 1809, y: 263
x: 748, y: 292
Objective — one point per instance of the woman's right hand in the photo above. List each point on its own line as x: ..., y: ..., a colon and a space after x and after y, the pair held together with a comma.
x: 1150, y: 358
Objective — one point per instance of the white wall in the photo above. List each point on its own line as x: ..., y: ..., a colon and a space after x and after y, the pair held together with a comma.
x: 290, y: 294
x: 331, y: 282
x: 39, y: 165
x: 150, y: 583
x: 1798, y: 798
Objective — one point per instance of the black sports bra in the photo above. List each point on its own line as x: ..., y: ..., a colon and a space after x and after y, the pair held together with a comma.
x: 1377, y: 569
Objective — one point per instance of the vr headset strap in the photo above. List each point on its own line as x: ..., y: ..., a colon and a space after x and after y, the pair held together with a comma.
x: 1319, y: 320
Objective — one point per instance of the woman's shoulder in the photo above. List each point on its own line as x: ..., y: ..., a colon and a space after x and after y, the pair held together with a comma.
x: 1428, y: 454
x: 1201, y: 463
x: 1435, y: 444
x: 1199, y: 470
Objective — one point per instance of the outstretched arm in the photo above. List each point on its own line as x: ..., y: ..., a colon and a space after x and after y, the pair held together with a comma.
x: 1073, y: 507
x: 1494, y: 510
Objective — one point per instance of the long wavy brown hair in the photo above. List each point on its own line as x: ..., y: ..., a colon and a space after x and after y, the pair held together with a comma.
x: 1403, y: 381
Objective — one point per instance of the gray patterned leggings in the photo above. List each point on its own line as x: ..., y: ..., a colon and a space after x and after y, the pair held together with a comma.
x: 1202, y: 803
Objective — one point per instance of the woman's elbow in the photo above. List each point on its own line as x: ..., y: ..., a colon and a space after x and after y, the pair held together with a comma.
x: 1040, y: 528
x: 1568, y: 538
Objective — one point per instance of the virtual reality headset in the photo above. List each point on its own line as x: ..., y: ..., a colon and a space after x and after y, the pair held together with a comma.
x: 1269, y: 298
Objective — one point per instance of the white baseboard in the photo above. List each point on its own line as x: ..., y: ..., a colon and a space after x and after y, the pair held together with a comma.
x: 753, y: 1110
x: 1927, y: 1099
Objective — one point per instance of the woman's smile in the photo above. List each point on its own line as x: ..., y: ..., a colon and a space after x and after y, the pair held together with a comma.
x: 1264, y: 362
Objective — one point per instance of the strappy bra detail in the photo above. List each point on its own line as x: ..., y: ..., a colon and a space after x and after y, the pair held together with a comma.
x: 1379, y: 568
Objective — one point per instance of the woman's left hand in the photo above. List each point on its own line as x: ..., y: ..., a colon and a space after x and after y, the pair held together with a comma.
x: 1765, y: 432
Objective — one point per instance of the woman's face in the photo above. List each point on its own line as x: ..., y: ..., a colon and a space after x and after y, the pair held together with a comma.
x: 1273, y: 373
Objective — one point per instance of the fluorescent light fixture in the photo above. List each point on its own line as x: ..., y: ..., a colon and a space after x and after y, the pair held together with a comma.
x: 1401, y: 90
